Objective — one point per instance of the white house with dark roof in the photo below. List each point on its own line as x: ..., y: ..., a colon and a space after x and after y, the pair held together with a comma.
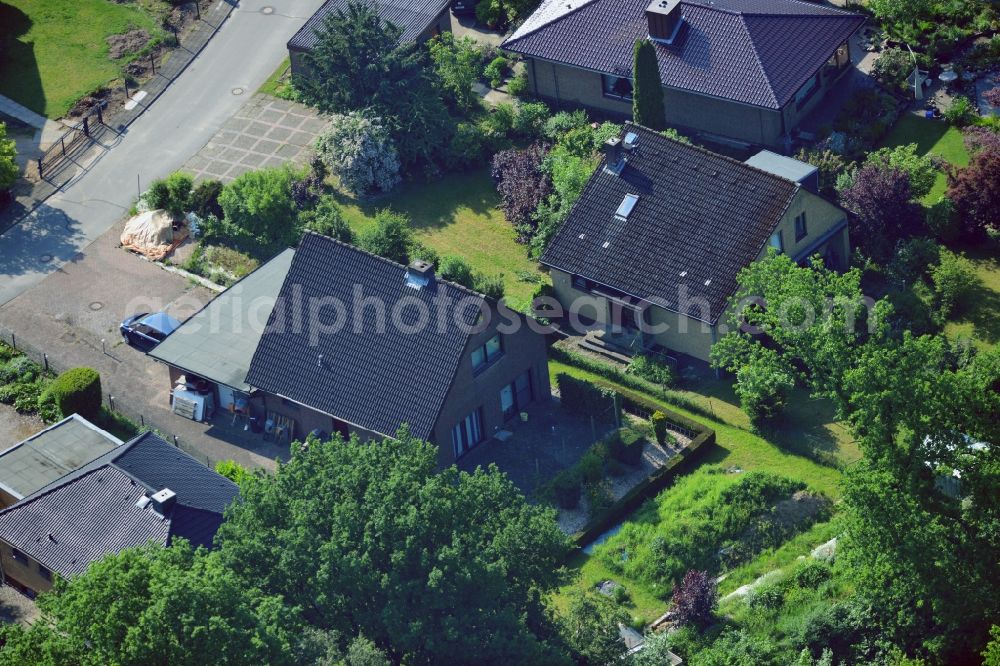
x: 744, y: 70
x: 652, y: 248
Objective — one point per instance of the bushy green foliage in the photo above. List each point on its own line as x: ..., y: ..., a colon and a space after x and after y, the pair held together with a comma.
x: 9, y: 170
x: 566, y: 487
x: 78, y: 391
x: 172, y: 193
x: 599, y: 498
x: 259, y: 204
x: 830, y: 165
x: 954, y: 279
x: 647, y: 89
x: 920, y: 168
x: 892, y: 67
x: 563, y: 122
x: 235, y: 472
x: 497, y: 70
x: 530, y: 120
x: 390, y: 237
x: 659, y: 421
x: 459, y: 64
x: 204, y: 199
x: 326, y: 219
x: 466, y: 148
x: 518, y: 85
x: 961, y: 112
x: 489, y: 285
x: 651, y: 368
x: 590, y: 628
x: 456, y: 270
x: 591, y: 466
x: 708, y: 520
x: 626, y: 445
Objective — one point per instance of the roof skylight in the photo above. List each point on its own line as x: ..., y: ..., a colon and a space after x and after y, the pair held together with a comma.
x: 626, y: 206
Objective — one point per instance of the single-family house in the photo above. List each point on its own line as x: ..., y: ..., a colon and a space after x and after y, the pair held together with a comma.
x: 652, y: 248
x: 419, y: 20
x: 745, y: 70
x: 360, y: 344
x: 142, y: 491
x: 49, y: 454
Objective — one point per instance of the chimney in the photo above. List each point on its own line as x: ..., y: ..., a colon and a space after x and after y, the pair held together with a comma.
x: 419, y: 274
x: 163, y: 501
x: 615, y: 155
x: 664, y: 19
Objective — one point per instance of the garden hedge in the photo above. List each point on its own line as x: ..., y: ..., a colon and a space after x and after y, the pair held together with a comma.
x: 579, y: 396
x: 77, y: 391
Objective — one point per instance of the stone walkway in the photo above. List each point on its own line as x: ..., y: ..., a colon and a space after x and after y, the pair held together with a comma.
x: 266, y: 132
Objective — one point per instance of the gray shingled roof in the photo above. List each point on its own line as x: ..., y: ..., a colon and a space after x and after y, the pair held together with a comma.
x: 698, y: 212
x: 375, y: 380
x: 758, y: 52
x: 413, y: 17
x: 52, y: 453
x: 92, y: 512
x: 218, y: 341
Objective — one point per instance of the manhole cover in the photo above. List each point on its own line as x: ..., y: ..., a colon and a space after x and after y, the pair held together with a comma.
x: 267, y: 10
x: 96, y: 305
x: 45, y: 258
x: 238, y: 91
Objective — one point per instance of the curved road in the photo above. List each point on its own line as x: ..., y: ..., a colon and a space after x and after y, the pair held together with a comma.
x: 242, y: 54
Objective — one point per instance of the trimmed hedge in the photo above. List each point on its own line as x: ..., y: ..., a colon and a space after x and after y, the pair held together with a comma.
x: 566, y: 486
x: 579, y: 396
x: 77, y: 391
x: 626, y: 446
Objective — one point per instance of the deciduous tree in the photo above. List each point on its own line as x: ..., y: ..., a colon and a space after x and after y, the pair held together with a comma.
x: 522, y: 185
x: 975, y: 191
x: 695, y: 598
x: 882, y: 200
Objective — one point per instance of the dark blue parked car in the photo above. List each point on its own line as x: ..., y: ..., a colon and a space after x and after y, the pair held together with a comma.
x: 146, y: 330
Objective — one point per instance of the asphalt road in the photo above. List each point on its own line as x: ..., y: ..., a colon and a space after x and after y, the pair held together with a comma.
x: 244, y: 52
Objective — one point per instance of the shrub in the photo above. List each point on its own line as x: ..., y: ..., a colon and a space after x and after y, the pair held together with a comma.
x: 591, y: 466
x: 563, y: 122
x: 458, y: 63
x: 530, y: 119
x: 632, y: 446
x: 599, y: 498
x: 919, y: 168
x: 326, y: 219
x: 830, y: 166
x: 19, y: 370
x: 522, y: 186
x: 456, y: 270
x: 233, y: 471
x: 652, y: 369
x: 205, y: 199
x: 359, y: 151
x: 496, y: 71
x: 695, y: 598
x: 882, y: 200
x: 490, y: 286
x: 424, y: 253
x: 647, y: 89
x: 975, y: 191
x: 172, y: 193
x: 812, y: 574
x: 259, y: 204
x: 893, y: 67
x: 390, y: 237
x: 961, y: 112
x: 567, y: 489
x: 616, y: 468
x: 465, y: 148
x: 518, y: 86
x: 9, y: 169
x: 78, y: 391
x: 942, y: 221
x: 659, y: 421
x: 768, y: 596
x: 954, y: 279
x: 913, y: 259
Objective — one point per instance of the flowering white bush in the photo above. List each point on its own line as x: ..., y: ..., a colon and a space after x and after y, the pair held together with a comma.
x: 358, y: 149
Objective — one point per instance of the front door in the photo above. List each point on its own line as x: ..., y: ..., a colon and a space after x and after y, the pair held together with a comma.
x: 516, y: 396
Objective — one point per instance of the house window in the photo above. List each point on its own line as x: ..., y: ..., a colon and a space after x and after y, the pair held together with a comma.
x: 19, y: 556
x: 777, y: 241
x: 800, y: 227
x: 516, y: 395
x: 44, y: 572
x: 582, y: 283
x: 485, y: 355
x: 617, y: 87
x: 467, y: 433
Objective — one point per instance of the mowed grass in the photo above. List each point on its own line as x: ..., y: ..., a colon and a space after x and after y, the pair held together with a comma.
x: 58, y: 50
x: 932, y: 137
x: 458, y: 215
x: 979, y: 320
x: 274, y: 83
x: 735, y: 447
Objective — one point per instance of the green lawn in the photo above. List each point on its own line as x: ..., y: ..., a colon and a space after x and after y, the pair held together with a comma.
x: 58, y: 50
x: 458, y: 215
x: 931, y: 136
x: 274, y: 83
x: 980, y: 320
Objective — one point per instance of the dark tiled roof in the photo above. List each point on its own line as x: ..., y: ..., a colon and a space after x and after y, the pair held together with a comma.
x: 759, y: 52
x: 697, y: 212
x: 413, y: 17
x: 92, y: 511
x: 372, y: 379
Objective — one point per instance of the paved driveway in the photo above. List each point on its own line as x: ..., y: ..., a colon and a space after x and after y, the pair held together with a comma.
x: 266, y: 132
x: 70, y: 312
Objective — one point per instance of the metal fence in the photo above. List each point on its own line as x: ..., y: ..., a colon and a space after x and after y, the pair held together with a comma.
x: 114, y: 404
x: 72, y: 141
